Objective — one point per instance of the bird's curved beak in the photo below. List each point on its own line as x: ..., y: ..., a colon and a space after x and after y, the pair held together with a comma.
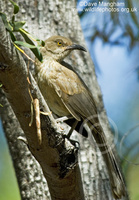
x: 75, y: 47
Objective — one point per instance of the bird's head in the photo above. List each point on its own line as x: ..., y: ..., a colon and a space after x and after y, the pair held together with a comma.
x: 58, y: 47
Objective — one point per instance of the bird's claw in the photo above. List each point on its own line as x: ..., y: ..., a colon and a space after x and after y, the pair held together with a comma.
x: 73, y: 142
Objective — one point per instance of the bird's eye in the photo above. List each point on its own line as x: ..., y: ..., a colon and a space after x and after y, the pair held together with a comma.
x: 59, y: 43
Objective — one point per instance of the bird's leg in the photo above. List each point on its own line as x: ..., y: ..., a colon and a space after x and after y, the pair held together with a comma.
x: 75, y: 143
x: 62, y: 119
x: 72, y: 128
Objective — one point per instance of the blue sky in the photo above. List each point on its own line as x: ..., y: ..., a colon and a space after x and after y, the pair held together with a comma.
x: 116, y: 69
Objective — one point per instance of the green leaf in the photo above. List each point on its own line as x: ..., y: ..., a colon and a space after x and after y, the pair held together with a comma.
x: 42, y: 43
x: 16, y: 7
x: 13, y: 20
x: 35, y: 51
x: 12, y: 36
x: 25, y: 44
x: 18, y: 25
x: 5, y: 21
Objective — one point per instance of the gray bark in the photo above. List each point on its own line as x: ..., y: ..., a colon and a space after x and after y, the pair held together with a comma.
x: 31, y: 182
x: 54, y: 154
x: 45, y: 18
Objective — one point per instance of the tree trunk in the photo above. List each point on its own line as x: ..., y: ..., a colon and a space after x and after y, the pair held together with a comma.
x: 46, y: 18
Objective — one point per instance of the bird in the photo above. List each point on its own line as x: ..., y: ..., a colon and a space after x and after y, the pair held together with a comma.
x: 67, y: 95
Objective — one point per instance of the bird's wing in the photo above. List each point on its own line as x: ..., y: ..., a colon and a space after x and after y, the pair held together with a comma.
x: 74, y: 93
x: 77, y: 98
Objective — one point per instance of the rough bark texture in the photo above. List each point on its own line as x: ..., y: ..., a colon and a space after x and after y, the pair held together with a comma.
x: 54, y: 154
x: 45, y: 18
x: 29, y: 175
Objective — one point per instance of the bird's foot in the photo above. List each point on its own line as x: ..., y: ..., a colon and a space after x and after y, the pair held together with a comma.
x: 73, y: 142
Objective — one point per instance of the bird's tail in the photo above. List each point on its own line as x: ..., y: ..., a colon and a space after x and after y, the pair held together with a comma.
x: 116, y: 179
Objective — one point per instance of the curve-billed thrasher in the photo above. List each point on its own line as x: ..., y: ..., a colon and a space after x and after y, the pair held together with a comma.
x: 67, y: 95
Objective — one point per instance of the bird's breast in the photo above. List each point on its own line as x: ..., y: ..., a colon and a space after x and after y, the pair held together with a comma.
x: 46, y: 78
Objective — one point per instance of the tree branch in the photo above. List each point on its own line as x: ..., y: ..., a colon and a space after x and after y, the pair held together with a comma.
x: 57, y: 157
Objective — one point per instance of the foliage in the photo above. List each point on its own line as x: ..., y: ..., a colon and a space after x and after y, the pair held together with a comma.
x: 117, y: 30
x: 13, y: 26
x: 107, y: 23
